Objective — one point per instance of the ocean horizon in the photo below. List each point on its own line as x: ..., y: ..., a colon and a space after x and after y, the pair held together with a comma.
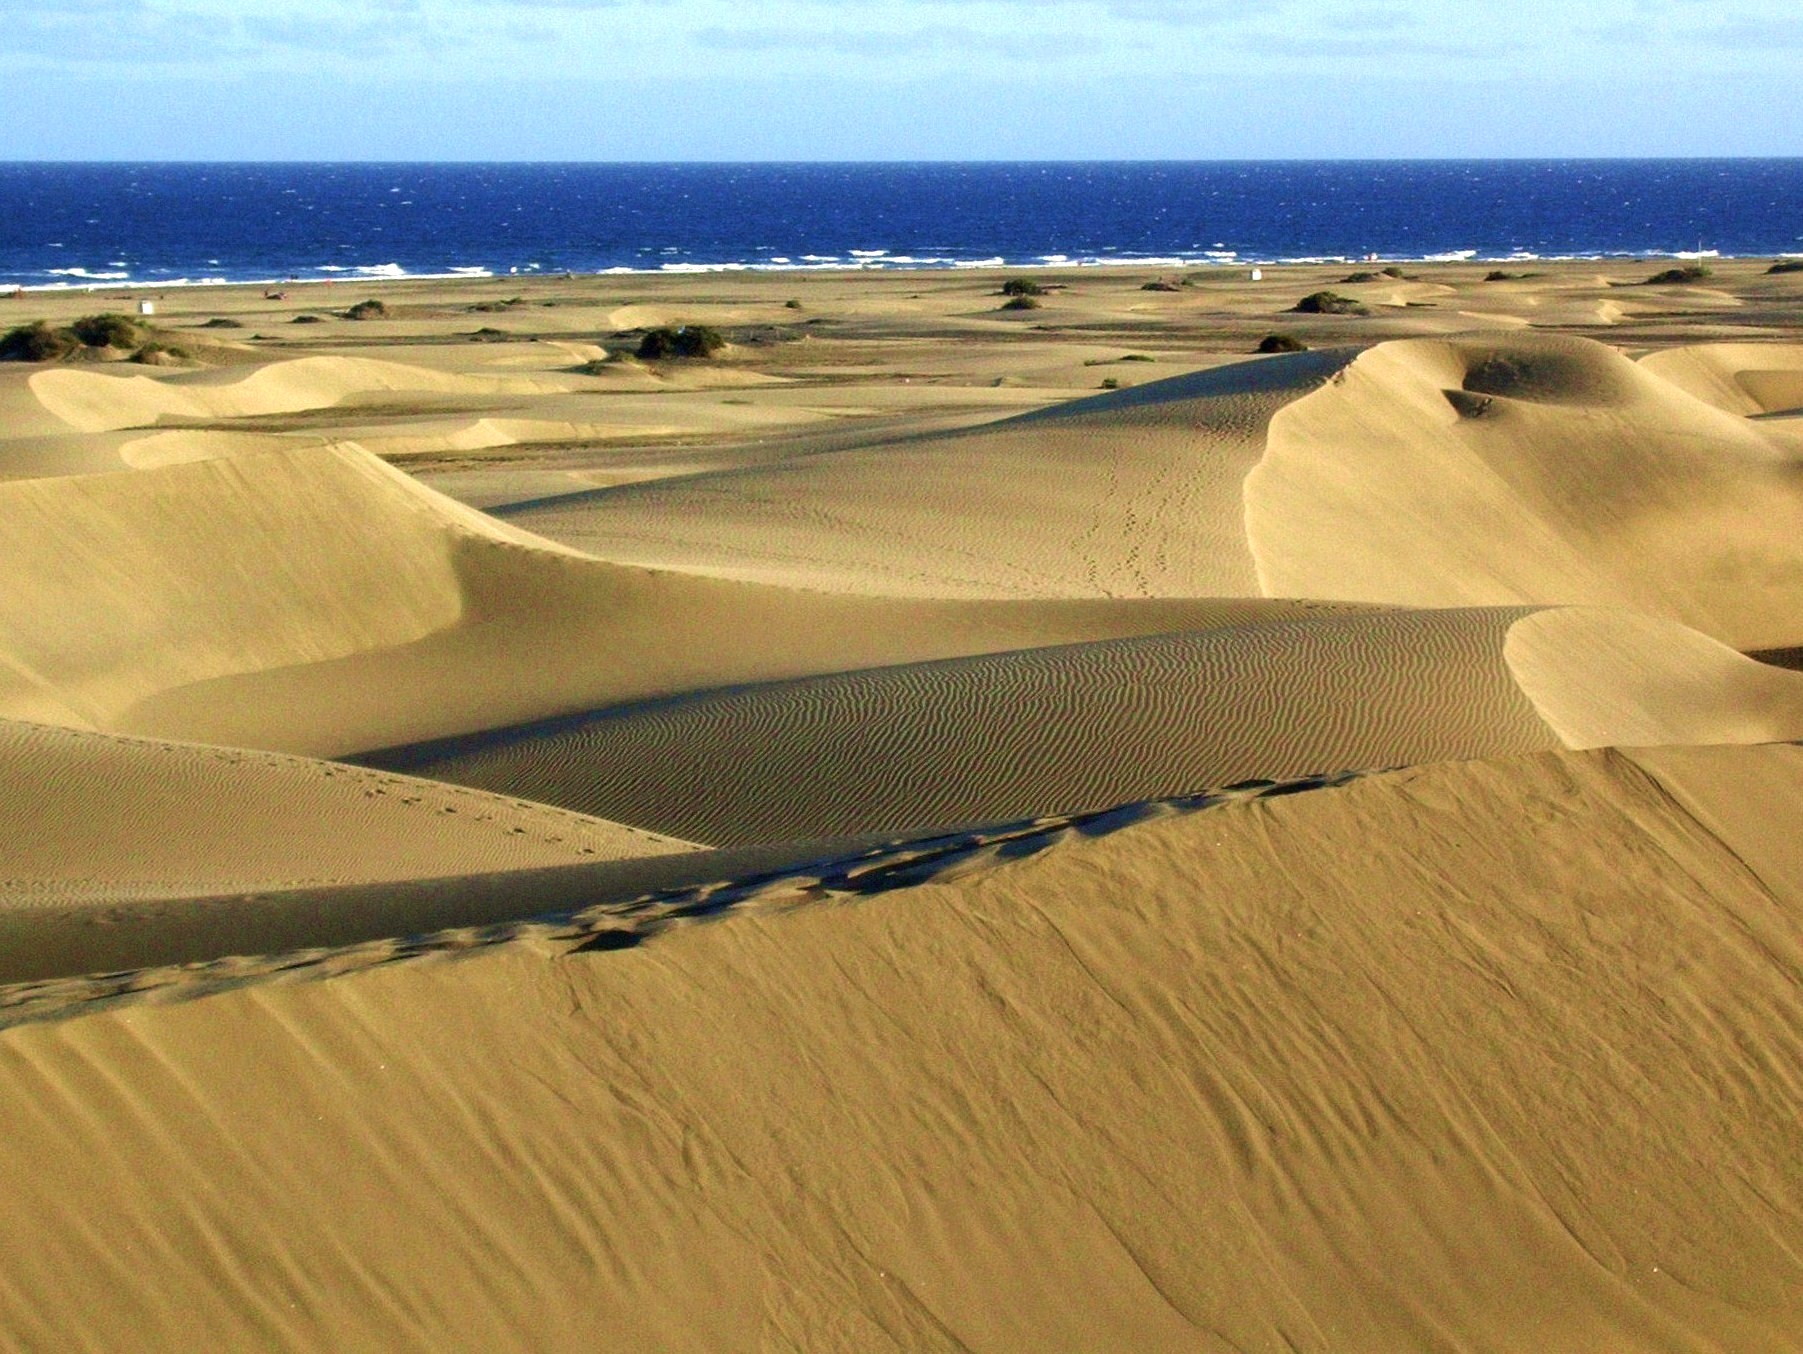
x: 72, y: 226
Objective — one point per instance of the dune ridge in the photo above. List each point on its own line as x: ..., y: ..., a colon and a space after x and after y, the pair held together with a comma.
x: 235, y: 602
x: 1085, y: 726
x: 1213, y: 1081
x: 812, y: 924
x: 1501, y: 472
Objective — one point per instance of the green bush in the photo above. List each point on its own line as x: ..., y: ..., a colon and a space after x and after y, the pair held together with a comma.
x: 1281, y: 343
x: 1022, y: 286
x: 1111, y: 383
x: 220, y: 322
x: 1162, y: 284
x: 1021, y: 303
x: 1328, y: 303
x: 1690, y: 272
x: 1356, y: 278
x: 371, y: 309
x: 682, y: 341
x: 308, y: 319
x: 106, y: 331
x: 791, y: 305
x: 36, y: 342
x: 1786, y: 266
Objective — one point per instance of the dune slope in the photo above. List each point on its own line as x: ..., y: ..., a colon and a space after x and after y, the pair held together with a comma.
x: 317, y: 601
x: 1513, y: 470
x: 1130, y: 494
x: 1085, y: 726
x: 1354, y: 1070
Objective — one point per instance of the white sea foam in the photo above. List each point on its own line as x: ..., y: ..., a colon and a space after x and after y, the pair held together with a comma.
x: 87, y: 275
x: 1451, y: 256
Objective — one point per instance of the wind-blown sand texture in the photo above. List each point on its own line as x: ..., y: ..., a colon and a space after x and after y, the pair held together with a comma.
x: 814, y: 760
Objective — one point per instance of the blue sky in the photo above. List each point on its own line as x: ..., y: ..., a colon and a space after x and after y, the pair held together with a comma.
x: 897, y: 79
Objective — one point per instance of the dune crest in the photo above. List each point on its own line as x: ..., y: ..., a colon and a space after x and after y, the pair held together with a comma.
x: 1245, y: 1077
x: 1529, y: 470
x: 318, y: 601
x: 102, y: 401
x: 1083, y: 727
x: 1741, y: 378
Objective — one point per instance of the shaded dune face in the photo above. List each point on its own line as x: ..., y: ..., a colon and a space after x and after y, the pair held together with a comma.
x: 1530, y: 469
x: 1085, y: 727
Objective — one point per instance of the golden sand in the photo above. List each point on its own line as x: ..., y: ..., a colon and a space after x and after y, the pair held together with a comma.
x: 813, y: 760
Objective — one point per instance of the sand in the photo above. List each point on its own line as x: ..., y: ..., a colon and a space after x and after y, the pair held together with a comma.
x: 939, y: 828
x: 1355, y: 1069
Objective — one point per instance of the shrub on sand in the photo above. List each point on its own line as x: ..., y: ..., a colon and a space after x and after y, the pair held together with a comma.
x: 36, y: 342
x: 681, y: 341
x: 1786, y: 266
x: 1020, y: 303
x: 1162, y: 284
x: 1022, y: 286
x: 1281, y: 343
x: 106, y: 331
x: 1690, y: 272
x: 162, y: 355
x: 1328, y: 303
x: 371, y: 309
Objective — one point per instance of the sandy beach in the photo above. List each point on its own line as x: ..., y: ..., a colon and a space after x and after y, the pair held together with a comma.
x: 940, y: 825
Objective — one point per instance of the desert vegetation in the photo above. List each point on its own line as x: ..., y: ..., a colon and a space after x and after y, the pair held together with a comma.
x: 680, y: 341
x: 1690, y: 272
x: 371, y: 309
x: 1281, y: 343
x: 39, y: 342
x: 1329, y: 303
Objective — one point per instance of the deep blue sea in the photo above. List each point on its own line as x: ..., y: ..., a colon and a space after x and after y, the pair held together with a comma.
x: 160, y: 225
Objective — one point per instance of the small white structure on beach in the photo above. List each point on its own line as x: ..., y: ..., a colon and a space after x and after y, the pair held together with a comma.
x: 147, y: 307
x: 1258, y: 274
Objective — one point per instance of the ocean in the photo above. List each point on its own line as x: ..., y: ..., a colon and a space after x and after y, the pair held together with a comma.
x: 164, y: 225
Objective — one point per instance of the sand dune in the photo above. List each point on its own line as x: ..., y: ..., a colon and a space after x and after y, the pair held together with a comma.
x: 1742, y: 378
x: 319, y: 602
x: 109, y: 839
x: 986, y: 1020
x: 1495, y: 471
x: 1082, y: 727
x: 1349, y: 1070
x: 90, y: 400
x: 1134, y: 493
x: 1506, y: 471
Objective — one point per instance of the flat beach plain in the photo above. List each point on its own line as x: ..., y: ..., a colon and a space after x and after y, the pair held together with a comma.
x: 939, y: 827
